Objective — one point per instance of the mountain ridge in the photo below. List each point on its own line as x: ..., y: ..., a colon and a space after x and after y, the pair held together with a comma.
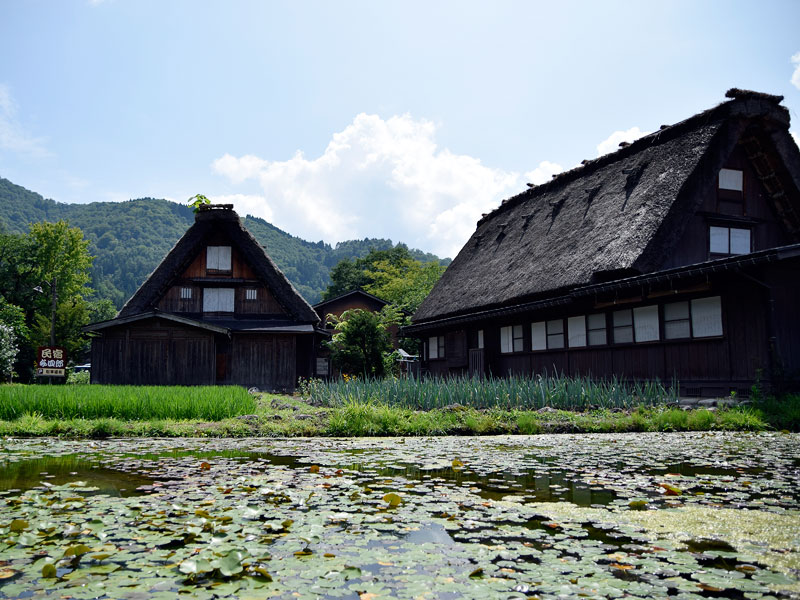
x: 130, y: 238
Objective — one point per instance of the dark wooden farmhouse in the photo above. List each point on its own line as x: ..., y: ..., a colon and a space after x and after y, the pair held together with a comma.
x: 215, y: 311
x: 676, y: 256
x: 357, y: 299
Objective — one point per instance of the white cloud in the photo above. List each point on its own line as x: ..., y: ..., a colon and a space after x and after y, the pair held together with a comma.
x: 544, y: 172
x: 796, y: 74
x: 611, y: 143
x: 382, y: 178
x: 796, y: 137
x: 13, y: 136
x: 376, y: 178
x: 246, y: 204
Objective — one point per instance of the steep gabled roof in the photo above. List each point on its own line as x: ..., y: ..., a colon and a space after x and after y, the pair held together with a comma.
x: 218, y: 219
x: 352, y: 294
x: 612, y: 217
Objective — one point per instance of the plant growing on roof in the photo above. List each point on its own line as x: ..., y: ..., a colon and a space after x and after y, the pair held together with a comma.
x: 197, y: 201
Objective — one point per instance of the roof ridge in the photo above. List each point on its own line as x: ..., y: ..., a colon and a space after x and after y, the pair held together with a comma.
x: 666, y: 133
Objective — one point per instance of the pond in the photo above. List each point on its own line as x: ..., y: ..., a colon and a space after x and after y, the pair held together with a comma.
x: 704, y: 515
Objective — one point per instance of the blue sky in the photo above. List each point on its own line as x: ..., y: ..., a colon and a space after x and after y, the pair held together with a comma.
x: 341, y: 120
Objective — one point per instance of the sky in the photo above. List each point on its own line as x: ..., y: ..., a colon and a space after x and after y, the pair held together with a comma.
x: 344, y: 120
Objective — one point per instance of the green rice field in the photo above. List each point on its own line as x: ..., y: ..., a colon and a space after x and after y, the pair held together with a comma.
x: 133, y: 403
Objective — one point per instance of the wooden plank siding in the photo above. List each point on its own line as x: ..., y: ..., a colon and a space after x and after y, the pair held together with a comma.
x: 266, y: 361
x: 154, y: 354
x: 712, y: 365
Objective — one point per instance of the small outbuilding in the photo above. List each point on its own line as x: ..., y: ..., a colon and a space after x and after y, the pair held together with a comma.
x: 677, y: 257
x: 217, y: 310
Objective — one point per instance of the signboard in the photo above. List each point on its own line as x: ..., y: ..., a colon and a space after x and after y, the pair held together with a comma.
x: 51, y: 361
x: 322, y: 366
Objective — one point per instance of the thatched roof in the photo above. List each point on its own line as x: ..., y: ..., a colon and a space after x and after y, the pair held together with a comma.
x: 212, y: 220
x: 612, y: 217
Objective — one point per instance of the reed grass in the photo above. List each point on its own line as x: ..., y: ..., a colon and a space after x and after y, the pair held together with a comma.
x: 130, y: 403
x: 508, y: 393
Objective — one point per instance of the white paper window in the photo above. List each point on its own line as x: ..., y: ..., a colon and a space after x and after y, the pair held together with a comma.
x: 555, y: 334
x: 218, y: 258
x: 511, y: 339
x: 707, y: 317
x: 676, y: 321
x: 433, y: 347
x: 480, y: 339
x: 539, y: 336
x: 645, y: 323
x: 597, y: 329
x: 218, y: 300
x: 731, y: 179
x: 740, y: 241
x: 729, y: 240
x: 623, y: 326
x: 506, y: 340
x: 186, y: 293
x: 718, y: 240
x: 576, y: 328
x: 517, y: 343
x: 251, y: 294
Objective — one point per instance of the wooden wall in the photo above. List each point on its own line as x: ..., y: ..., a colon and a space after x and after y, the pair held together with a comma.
x: 756, y: 213
x: 265, y: 304
x: 703, y: 366
x: 267, y: 361
x: 154, y: 353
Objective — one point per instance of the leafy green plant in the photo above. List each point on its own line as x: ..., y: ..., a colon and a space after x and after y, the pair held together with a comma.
x: 510, y: 393
x: 134, y: 403
x: 197, y: 201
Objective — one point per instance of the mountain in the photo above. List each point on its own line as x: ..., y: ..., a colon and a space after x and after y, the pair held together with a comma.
x: 128, y: 240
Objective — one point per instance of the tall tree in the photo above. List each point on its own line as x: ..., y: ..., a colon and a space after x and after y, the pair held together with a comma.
x: 44, y: 277
x: 361, y: 342
x: 405, y: 284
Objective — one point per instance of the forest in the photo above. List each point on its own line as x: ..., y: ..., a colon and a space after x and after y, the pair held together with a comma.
x: 129, y: 239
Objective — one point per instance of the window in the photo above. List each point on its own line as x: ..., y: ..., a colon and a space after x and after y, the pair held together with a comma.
x: 218, y: 299
x: 645, y: 323
x: 251, y: 294
x: 480, y: 339
x: 596, y: 325
x: 218, y: 258
x: 436, y: 347
x: 511, y: 339
x: 731, y: 179
x: 637, y: 325
x: 707, y: 317
x: 186, y: 293
x: 623, y: 326
x: 539, y: 336
x: 728, y: 240
x: 555, y: 334
x: 576, y: 328
x: 676, y: 321
x: 547, y: 335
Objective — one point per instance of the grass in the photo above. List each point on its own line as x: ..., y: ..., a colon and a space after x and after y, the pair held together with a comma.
x: 509, y: 393
x: 130, y: 403
x: 286, y: 416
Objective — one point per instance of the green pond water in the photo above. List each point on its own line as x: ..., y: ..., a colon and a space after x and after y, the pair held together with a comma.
x: 704, y: 515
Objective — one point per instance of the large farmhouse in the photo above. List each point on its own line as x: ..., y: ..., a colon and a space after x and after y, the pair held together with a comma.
x: 215, y: 311
x: 676, y: 256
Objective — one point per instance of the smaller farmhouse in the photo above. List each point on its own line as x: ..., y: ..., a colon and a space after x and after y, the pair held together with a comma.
x: 356, y: 299
x: 217, y: 310
x: 675, y: 257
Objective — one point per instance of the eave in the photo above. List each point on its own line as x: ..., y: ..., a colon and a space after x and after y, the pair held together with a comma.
x: 154, y: 314
x: 728, y: 264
